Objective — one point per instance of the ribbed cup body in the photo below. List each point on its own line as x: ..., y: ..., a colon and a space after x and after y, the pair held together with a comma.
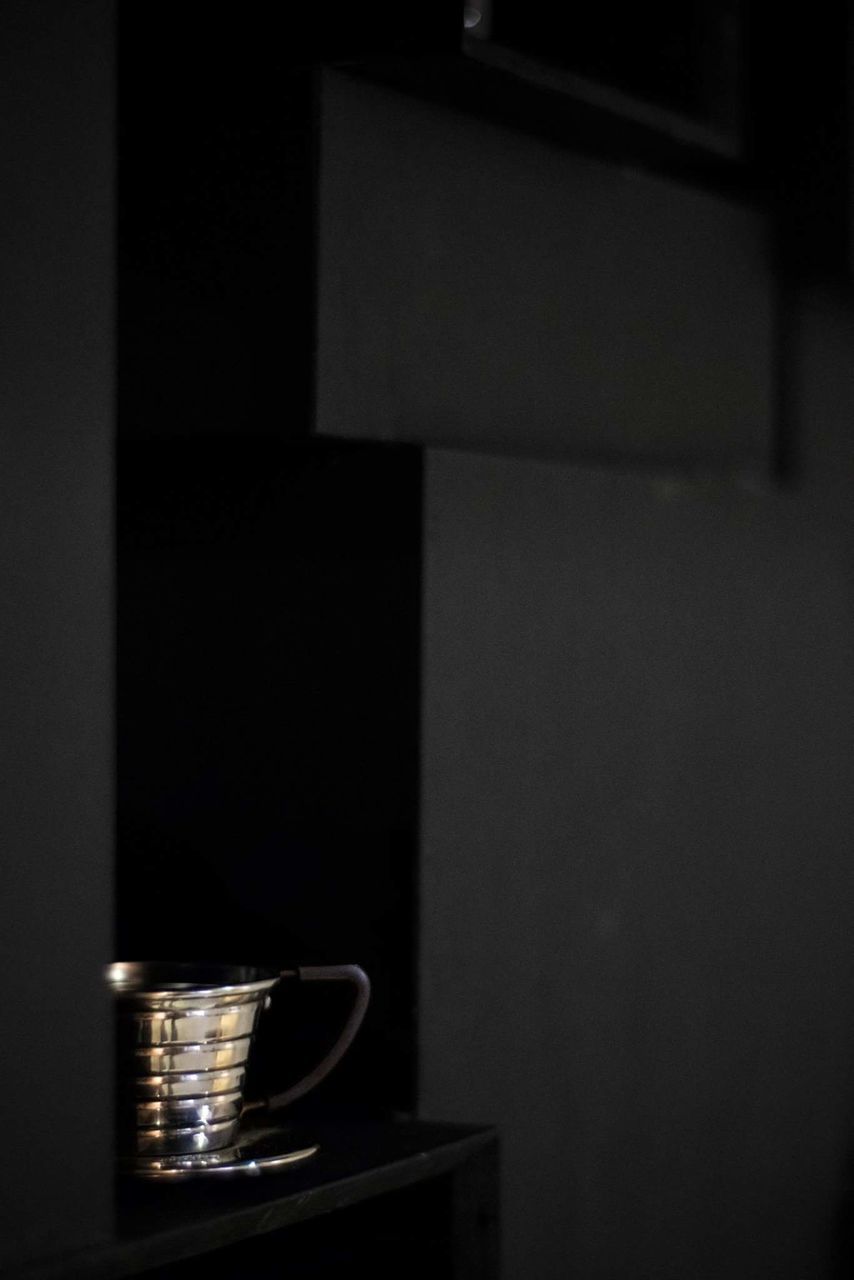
x: 184, y: 1037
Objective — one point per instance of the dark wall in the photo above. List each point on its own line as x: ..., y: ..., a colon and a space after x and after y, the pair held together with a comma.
x: 636, y: 878
x: 56, y: 423
x: 215, y: 224
x: 480, y: 288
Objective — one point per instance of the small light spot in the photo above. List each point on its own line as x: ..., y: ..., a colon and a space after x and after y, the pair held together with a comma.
x: 608, y: 924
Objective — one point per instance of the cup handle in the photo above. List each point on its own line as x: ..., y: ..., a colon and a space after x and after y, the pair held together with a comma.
x: 359, y: 980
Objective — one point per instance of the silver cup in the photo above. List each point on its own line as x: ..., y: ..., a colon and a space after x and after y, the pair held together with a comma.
x: 184, y: 1036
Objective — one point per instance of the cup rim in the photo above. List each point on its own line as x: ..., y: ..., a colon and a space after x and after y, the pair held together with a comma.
x: 154, y: 980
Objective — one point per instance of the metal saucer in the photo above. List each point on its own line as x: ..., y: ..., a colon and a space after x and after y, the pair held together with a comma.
x: 257, y: 1151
